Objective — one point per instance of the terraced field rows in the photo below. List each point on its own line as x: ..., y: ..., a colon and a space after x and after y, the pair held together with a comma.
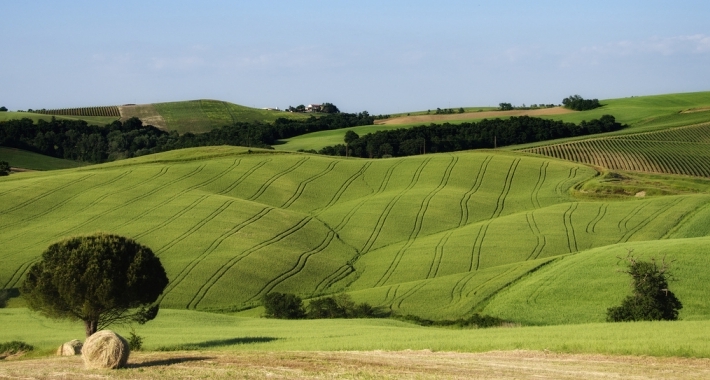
x: 450, y: 230
x: 684, y: 150
x: 83, y: 111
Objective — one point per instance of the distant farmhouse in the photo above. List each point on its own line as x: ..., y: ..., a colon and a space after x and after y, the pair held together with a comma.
x: 313, y: 108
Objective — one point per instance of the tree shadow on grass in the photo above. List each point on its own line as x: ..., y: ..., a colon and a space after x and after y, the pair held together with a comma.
x: 167, y: 362
x: 216, y: 343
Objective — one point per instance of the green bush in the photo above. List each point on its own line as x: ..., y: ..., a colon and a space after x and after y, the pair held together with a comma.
x: 651, y: 299
x: 14, y: 347
x: 4, y: 168
x: 283, y: 306
x: 135, y: 341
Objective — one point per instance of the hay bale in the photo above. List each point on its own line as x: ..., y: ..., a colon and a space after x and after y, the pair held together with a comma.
x: 105, y: 349
x: 70, y: 348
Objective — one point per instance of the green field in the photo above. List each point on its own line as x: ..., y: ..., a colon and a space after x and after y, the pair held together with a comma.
x: 192, y: 330
x: 34, y: 161
x: 426, y: 235
x: 533, y: 237
x: 642, y: 114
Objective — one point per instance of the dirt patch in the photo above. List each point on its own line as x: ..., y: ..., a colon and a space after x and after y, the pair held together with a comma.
x: 146, y: 112
x: 369, y: 364
x: 694, y: 110
x: 426, y: 119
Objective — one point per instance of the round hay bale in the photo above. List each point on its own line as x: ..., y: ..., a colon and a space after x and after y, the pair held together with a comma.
x: 70, y: 348
x: 105, y: 349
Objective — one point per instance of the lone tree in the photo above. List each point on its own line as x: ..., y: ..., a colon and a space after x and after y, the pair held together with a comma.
x: 350, y: 136
x: 505, y: 106
x: 99, y: 279
x: 651, y: 299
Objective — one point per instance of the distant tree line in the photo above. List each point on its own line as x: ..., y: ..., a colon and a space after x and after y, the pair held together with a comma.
x: 77, y: 140
x: 449, y: 138
x: 448, y: 111
x: 510, y: 107
x: 3, y: 109
x: 577, y: 103
x: 290, y: 306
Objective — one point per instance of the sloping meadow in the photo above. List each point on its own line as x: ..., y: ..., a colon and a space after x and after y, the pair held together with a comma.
x: 439, y: 236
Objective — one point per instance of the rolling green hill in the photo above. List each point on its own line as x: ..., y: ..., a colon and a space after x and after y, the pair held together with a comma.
x: 204, y: 115
x: 642, y: 114
x: 183, y: 116
x: 439, y: 236
x: 28, y: 160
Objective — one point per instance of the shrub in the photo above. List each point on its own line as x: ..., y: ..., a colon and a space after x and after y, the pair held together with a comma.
x: 651, y: 299
x: 4, y: 168
x: 135, y: 341
x: 14, y: 347
x: 283, y: 306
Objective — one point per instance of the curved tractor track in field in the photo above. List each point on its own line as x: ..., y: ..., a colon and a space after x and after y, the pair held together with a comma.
x: 388, y: 208
x: 213, y: 246
x: 500, y: 205
x: 418, y: 221
x: 217, y: 275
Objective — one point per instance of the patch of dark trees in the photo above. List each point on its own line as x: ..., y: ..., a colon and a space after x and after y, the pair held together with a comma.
x: 474, y: 321
x: 290, y: 306
x: 577, y: 103
x: 437, y: 138
x: 3, y: 109
x: 77, y: 140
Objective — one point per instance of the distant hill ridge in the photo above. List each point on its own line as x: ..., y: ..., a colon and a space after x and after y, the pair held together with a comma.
x: 195, y: 116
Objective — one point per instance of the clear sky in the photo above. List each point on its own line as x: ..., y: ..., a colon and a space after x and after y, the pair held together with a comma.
x: 380, y: 56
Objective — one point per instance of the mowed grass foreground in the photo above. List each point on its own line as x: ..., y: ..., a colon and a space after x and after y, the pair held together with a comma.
x: 182, y: 330
x: 439, y: 236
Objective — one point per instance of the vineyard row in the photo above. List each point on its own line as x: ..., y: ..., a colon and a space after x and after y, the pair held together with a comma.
x: 111, y: 111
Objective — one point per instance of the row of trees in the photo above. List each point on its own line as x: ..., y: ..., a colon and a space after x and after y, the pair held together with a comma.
x: 3, y: 109
x: 449, y: 138
x: 448, y: 111
x: 290, y: 306
x: 76, y: 140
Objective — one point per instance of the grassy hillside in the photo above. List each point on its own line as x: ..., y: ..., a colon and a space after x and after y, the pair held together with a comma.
x: 34, y: 161
x: 183, y: 116
x: 642, y: 114
x: 439, y: 235
x: 204, y: 115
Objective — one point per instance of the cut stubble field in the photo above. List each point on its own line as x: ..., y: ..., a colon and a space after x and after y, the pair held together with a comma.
x: 370, y: 364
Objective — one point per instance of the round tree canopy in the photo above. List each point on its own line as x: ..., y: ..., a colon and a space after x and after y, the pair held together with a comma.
x: 97, y: 279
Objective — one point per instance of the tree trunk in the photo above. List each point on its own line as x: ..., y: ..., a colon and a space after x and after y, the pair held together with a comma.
x: 90, y: 327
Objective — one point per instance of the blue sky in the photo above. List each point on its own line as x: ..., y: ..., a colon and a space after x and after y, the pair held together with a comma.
x: 380, y: 56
